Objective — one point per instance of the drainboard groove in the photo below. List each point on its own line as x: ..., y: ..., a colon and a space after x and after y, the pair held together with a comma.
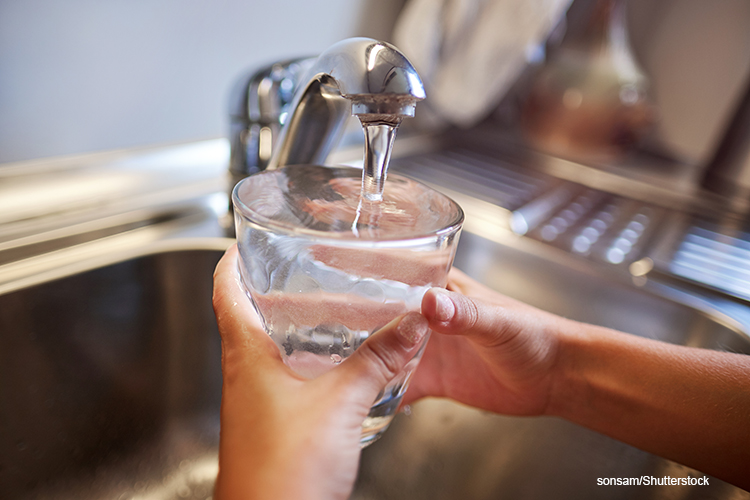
x: 588, y: 222
x: 718, y: 258
x: 492, y: 181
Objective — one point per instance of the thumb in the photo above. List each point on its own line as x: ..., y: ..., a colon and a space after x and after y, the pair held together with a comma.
x: 381, y: 357
x: 454, y: 314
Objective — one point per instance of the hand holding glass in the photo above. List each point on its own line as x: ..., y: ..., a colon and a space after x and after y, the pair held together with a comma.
x: 326, y: 268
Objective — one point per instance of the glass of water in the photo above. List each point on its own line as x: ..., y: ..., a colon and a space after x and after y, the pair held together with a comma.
x: 326, y: 268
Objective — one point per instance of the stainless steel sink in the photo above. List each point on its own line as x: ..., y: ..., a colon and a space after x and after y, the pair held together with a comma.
x: 112, y: 382
x: 110, y: 376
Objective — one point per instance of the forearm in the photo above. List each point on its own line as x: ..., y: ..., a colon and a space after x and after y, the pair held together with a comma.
x: 686, y: 404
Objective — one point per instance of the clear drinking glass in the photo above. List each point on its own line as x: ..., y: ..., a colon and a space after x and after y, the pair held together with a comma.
x: 326, y: 268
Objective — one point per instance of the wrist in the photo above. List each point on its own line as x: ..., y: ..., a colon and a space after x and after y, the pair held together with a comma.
x: 569, y: 386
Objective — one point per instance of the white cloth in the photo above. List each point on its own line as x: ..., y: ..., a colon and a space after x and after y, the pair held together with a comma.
x: 469, y: 52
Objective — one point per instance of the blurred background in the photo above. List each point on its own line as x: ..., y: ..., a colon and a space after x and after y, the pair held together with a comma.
x: 85, y: 75
x: 107, y: 334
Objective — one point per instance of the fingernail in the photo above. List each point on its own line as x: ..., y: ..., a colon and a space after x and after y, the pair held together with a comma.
x: 413, y: 327
x: 444, y: 307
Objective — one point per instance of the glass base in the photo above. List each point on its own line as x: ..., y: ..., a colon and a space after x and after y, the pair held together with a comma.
x: 372, y: 429
x: 380, y: 418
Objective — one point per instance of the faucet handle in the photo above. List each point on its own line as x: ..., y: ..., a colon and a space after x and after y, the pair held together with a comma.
x: 259, y: 105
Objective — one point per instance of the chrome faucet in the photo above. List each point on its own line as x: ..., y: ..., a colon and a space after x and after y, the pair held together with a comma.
x: 357, y: 76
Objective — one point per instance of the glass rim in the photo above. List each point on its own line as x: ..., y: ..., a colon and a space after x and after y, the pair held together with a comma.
x: 276, y: 227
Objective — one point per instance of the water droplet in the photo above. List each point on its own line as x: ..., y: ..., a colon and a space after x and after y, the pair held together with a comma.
x: 335, y: 358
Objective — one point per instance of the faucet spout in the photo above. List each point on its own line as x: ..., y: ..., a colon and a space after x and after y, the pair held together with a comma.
x: 357, y: 76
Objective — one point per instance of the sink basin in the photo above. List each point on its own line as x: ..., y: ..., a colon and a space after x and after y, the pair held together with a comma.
x: 111, y: 386
x: 112, y: 382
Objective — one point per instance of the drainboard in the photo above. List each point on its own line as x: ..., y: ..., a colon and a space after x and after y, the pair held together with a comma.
x: 593, y: 224
x: 111, y: 389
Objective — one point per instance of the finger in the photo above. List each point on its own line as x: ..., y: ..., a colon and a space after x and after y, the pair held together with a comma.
x: 454, y: 314
x: 440, y: 361
x: 383, y: 356
x: 239, y: 324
